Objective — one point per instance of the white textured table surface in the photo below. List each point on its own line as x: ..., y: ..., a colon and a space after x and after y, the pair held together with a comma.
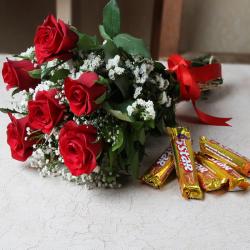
x: 38, y: 213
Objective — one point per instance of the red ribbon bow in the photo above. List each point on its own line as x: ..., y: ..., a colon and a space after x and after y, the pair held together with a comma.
x: 189, y: 77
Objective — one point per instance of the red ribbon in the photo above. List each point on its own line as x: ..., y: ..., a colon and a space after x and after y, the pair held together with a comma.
x: 189, y: 77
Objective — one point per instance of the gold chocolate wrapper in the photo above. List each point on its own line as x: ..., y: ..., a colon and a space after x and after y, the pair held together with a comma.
x: 184, y: 163
x: 226, y: 155
x: 160, y: 170
x: 235, y: 180
x: 209, y: 180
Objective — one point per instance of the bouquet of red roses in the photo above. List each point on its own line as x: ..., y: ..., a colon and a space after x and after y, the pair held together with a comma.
x: 84, y: 109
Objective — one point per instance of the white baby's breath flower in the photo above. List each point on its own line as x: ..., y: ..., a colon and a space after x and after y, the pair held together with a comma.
x: 145, y: 109
x: 29, y: 53
x: 168, y: 102
x: 142, y: 70
x: 161, y: 82
x: 67, y: 65
x: 119, y: 70
x: 114, y: 68
x: 163, y: 98
x: 92, y: 62
x: 31, y: 91
x: 20, y: 101
x: 45, y: 85
x: 113, y: 62
x: 75, y: 75
x: 129, y: 64
x: 112, y: 74
x: 52, y: 63
x: 130, y: 110
x: 137, y: 91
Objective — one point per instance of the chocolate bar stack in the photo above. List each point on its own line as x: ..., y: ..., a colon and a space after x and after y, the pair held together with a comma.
x: 213, y: 168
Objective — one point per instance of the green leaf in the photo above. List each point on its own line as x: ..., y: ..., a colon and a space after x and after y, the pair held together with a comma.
x: 150, y: 123
x: 110, y: 50
x: 138, y: 133
x: 131, y: 45
x: 134, y: 165
x: 13, y: 111
x: 117, y: 113
x: 138, y: 125
x: 160, y: 125
x: 119, y: 140
x: 47, y: 70
x: 102, y: 80
x: 15, y: 91
x: 111, y: 18
x: 123, y: 84
x: 60, y: 75
x: 132, y: 157
x: 101, y: 99
x: 103, y: 33
x: 36, y: 73
x: 86, y: 42
x: 111, y: 157
x: 142, y: 136
x: 123, y: 106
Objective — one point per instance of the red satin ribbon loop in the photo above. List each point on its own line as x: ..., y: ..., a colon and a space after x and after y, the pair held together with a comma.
x: 189, y: 79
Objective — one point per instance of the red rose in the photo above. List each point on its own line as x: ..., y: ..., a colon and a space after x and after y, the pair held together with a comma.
x: 83, y: 92
x: 78, y: 147
x: 21, y: 149
x: 15, y: 74
x: 45, y: 112
x: 54, y: 39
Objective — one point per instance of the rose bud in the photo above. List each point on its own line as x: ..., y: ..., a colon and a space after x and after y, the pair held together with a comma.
x: 21, y: 147
x: 15, y: 74
x: 79, y: 147
x: 54, y: 39
x: 45, y: 112
x: 83, y: 92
